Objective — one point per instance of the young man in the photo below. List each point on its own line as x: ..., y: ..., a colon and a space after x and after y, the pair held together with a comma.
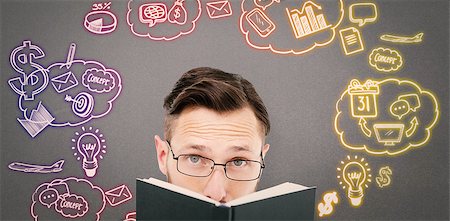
x: 214, y: 135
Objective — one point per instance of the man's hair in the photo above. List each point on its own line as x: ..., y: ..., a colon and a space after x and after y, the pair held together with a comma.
x: 216, y: 90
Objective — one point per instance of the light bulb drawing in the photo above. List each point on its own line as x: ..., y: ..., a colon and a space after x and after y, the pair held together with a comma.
x: 89, y: 145
x: 354, y: 175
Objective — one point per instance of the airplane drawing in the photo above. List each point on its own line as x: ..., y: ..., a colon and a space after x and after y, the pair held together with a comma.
x: 402, y: 39
x: 32, y: 168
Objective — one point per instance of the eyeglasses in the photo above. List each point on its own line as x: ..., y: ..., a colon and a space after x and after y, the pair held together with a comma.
x: 199, y: 166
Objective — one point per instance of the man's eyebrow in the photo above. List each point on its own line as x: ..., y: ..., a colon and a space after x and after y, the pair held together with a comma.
x: 240, y: 148
x: 198, y: 147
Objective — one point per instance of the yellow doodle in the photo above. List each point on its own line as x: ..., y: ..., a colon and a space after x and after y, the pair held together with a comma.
x: 307, y: 25
x: 363, y: 99
x: 306, y: 22
x: 398, y: 130
x: 404, y: 105
x: 351, y: 40
x: 402, y: 39
x: 354, y: 175
x: 385, y: 59
x: 389, y: 133
x: 384, y: 177
x: 362, y: 20
x: 326, y: 207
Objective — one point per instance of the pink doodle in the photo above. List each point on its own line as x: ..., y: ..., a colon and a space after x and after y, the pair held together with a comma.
x: 68, y: 198
x: 163, y: 21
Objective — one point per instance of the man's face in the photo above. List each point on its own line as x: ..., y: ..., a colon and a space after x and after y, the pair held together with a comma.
x: 220, y: 137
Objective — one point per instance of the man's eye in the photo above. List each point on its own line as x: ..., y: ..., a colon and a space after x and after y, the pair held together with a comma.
x: 239, y: 163
x: 194, y: 159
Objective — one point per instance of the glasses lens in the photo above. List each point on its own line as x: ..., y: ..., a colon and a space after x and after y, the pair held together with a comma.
x: 194, y: 165
x: 243, y: 170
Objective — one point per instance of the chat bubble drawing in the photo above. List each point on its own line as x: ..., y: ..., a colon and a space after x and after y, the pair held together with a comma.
x: 290, y: 27
x: 152, y: 13
x: 404, y: 105
x: 363, y: 13
x: 163, y: 21
x: 72, y: 206
x: 48, y: 197
x: 399, y: 108
x: 82, y: 200
x: 412, y: 99
x: 407, y: 115
x: 385, y: 59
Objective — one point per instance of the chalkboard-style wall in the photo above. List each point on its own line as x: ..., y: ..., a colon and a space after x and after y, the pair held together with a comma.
x: 357, y: 92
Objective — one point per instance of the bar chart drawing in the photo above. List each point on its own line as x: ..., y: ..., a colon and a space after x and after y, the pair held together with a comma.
x: 307, y: 21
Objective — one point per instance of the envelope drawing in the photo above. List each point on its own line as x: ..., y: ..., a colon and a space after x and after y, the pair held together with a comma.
x: 118, y: 195
x: 64, y: 82
x: 219, y: 9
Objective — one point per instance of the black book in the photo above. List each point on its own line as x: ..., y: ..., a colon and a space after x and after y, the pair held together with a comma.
x: 159, y: 200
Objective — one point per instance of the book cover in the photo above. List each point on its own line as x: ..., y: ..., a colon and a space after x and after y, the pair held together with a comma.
x: 159, y: 200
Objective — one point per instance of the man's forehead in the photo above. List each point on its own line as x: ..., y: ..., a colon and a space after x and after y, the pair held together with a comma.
x: 208, y: 124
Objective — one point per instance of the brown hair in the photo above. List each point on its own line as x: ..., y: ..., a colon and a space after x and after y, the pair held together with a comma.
x: 215, y: 90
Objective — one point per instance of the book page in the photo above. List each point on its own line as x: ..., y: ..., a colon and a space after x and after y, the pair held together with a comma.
x: 282, y: 189
x: 180, y: 190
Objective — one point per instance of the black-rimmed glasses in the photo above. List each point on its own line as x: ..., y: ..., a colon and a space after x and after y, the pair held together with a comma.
x: 236, y: 169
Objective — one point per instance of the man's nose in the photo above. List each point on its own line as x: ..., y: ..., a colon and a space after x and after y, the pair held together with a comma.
x: 215, y: 187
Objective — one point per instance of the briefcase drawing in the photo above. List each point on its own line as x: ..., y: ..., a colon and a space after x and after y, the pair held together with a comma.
x: 219, y: 9
x: 64, y: 82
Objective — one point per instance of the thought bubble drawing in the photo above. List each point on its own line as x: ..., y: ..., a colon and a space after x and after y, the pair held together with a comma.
x: 290, y: 27
x: 80, y: 90
x: 363, y: 13
x: 385, y: 59
x: 92, y: 99
x: 68, y: 199
x: 166, y: 20
x: 386, y: 117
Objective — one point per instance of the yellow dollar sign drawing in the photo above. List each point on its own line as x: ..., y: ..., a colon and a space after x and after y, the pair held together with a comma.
x: 384, y: 178
x: 326, y: 207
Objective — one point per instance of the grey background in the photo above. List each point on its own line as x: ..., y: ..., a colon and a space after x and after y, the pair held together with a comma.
x: 300, y: 93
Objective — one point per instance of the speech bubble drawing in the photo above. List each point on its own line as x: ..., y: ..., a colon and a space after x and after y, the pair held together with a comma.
x: 48, y: 197
x: 82, y: 200
x: 278, y: 27
x: 152, y: 13
x: 400, y: 108
x: 157, y: 21
x: 405, y: 104
x: 357, y: 15
x: 387, y: 135
x: 412, y: 99
x: 385, y: 59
